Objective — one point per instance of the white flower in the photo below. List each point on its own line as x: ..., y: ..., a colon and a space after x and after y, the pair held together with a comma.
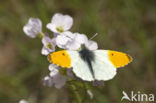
x: 77, y: 41
x: 73, y: 41
x: 54, y: 70
x: 33, y: 27
x: 59, y: 80
x: 48, y: 45
x: 55, y: 77
x: 82, y: 39
x: 52, y: 67
x: 64, y: 39
x: 23, y: 101
x: 60, y: 23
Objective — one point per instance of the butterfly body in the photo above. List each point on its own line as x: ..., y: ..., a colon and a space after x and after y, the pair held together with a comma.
x: 91, y: 65
x: 88, y: 57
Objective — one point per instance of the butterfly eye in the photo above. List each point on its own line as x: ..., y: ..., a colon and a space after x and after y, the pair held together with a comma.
x: 112, y: 54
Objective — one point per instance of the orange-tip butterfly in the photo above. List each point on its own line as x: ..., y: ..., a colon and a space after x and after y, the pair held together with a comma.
x: 91, y: 65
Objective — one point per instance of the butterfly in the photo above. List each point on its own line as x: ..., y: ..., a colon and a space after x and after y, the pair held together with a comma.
x: 91, y: 65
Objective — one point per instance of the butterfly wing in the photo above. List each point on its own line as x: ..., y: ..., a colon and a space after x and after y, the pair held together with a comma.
x: 103, y: 68
x: 104, y: 64
x: 80, y: 67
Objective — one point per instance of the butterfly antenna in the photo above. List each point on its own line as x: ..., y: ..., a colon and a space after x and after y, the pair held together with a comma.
x: 93, y: 36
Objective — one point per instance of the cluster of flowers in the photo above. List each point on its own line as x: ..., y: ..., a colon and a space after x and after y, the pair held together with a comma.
x: 62, y: 38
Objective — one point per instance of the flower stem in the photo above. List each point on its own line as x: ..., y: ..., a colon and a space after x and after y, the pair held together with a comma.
x: 77, y: 95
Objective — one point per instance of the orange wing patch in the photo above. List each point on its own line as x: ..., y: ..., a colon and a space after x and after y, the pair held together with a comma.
x: 119, y: 59
x: 60, y: 58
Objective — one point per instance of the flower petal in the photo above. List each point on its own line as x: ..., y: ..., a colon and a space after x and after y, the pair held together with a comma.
x: 44, y: 51
x: 46, y: 40
x: 81, y: 38
x: 67, y: 22
x: 63, y: 39
x: 53, y: 67
x: 54, y: 72
x: 91, y: 45
x: 59, y: 81
x: 73, y: 45
x: 48, y: 45
x: 33, y: 27
x: 48, y: 81
x: 60, y: 21
x: 52, y: 27
x: 74, y: 40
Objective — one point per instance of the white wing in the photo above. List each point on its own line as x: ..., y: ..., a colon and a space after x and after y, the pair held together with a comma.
x: 102, y: 67
x: 80, y: 67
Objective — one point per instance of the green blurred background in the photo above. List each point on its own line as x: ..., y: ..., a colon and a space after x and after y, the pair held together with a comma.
x: 122, y: 25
